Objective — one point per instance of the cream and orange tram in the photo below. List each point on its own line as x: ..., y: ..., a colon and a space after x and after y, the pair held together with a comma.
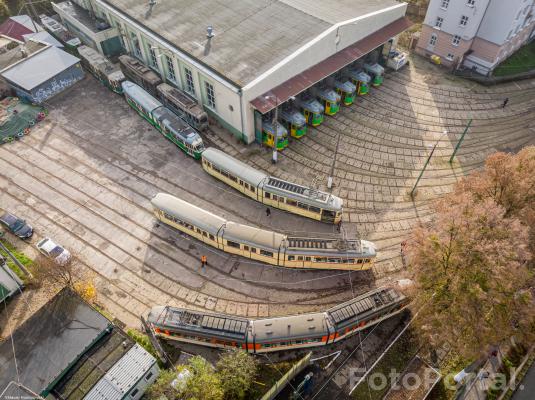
x: 262, y: 245
x: 274, y: 192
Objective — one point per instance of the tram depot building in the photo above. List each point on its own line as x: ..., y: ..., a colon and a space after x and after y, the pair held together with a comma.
x: 240, y: 59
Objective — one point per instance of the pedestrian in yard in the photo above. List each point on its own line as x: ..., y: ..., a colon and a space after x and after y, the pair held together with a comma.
x: 268, y: 212
x: 339, y: 226
x: 505, y: 102
x: 204, y: 262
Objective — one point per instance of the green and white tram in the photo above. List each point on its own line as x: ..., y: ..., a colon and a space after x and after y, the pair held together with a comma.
x: 109, y: 74
x: 330, y: 101
x: 294, y: 122
x: 179, y: 132
x: 376, y: 72
x: 346, y: 90
x: 361, y: 79
x: 271, y: 191
x: 268, y: 135
x: 163, y: 119
x: 312, y: 110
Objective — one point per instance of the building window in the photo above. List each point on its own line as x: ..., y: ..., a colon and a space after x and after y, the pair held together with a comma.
x: 445, y: 4
x: 153, y: 59
x: 471, y: 3
x: 135, y: 46
x: 149, y: 375
x: 439, y: 22
x: 456, y: 40
x: 190, y: 87
x: 450, y: 56
x: 133, y: 394
x: 433, y: 40
x: 210, y: 95
x: 464, y: 20
x: 170, y: 69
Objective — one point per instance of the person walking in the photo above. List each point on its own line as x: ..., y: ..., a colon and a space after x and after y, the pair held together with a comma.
x: 204, y: 262
x: 505, y: 102
x: 268, y: 212
x: 339, y: 226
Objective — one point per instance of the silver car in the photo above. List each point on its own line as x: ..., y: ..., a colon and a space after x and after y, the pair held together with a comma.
x: 54, y: 251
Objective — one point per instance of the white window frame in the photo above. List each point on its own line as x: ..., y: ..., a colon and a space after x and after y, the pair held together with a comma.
x: 189, y: 84
x: 136, y: 46
x: 471, y: 3
x: 439, y: 22
x: 433, y: 40
x: 464, y: 21
x: 171, y: 75
x: 450, y: 57
x: 210, y: 95
x: 153, y: 58
x: 445, y: 4
x: 456, y: 40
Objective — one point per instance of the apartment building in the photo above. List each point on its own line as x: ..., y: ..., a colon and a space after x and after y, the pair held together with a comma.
x: 476, y: 34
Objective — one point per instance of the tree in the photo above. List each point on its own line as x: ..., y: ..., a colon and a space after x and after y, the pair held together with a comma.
x: 471, y: 277
x: 162, y: 386
x: 236, y: 370
x: 203, y: 383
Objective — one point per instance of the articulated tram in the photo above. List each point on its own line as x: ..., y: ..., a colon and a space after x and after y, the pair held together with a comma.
x: 169, y: 124
x: 109, y: 74
x: 274, y: 192
x: 276, y: 334
x: 262, y: 245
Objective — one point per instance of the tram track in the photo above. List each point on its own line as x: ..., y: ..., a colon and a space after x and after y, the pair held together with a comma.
x: 157, y: 250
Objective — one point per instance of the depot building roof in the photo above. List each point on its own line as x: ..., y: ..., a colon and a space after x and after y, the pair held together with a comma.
x: 250, y: 36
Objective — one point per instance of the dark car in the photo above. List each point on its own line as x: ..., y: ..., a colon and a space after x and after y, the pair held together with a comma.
x: 16, y: 226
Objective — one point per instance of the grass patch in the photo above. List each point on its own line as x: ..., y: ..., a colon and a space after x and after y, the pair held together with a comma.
x: 397, y: 358
x: 21, y: 257
x: 521, y: 61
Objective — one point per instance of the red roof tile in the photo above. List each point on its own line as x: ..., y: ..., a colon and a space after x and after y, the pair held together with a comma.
x: 328, y: 66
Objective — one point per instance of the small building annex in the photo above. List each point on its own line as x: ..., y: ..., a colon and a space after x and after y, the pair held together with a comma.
x: 38, y: 76
x: 68, y: 350
x: 241, y: 59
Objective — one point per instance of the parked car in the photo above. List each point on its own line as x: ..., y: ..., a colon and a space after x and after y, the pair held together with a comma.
x: 16, y: 226
x: 54, y: 251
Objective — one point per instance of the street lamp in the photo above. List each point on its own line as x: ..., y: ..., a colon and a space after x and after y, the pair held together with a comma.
x: 427, y: 162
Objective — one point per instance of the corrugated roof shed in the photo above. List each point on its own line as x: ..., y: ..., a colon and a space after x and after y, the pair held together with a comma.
x: 39, y: 68
x: 123, y: 375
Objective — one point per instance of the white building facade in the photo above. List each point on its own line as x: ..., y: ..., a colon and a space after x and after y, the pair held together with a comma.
x: 476, y: 34
x: 257, y: 45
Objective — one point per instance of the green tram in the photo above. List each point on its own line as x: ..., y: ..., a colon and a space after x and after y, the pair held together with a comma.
x: 312, y: 110
x: 163, y: 119
x: 268, y: 135
x: 376, y: 72
x: 294, y: 122
x: 362, y: 80
x: 109, y: 74
x: 346, y: 90
x: 330, y: 101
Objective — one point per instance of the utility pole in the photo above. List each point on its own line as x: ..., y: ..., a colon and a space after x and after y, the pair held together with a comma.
x: 330, y: 178
x: 32, y: 14
x: 276, y: 129
x: 461, y: 140
x: 426, y: 164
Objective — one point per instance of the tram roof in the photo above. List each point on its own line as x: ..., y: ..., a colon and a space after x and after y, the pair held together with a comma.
x: 281, y: 328
x: 331, y: 247
x: 234, y: 166
x: 252, y: 236
x: 176, y: 124
x: 188, y: 212
x: 141, y: 97
x: 251, y: 36
x: 223, y: 325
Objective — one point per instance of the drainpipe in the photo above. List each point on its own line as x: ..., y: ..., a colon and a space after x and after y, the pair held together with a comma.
x: 240, y: 92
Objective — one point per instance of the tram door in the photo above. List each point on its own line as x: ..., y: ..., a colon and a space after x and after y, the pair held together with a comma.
x: 328, y: 216
x: 308, y: 116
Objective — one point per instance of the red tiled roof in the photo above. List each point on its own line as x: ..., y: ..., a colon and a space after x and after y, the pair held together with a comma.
x: 328, y: 66
x: 14, y: 30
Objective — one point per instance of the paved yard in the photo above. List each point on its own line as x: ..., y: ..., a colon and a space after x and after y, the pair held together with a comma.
x: 87, y: 174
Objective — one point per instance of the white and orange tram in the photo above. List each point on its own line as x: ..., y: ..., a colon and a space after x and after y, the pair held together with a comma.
x: 260, y: 244
x: 276, y: 334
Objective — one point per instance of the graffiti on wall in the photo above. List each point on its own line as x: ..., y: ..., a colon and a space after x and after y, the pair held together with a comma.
x: 54, y: 87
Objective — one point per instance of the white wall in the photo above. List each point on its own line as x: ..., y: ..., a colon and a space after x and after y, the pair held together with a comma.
x: 144, y: 383
x: 452, y: 16
x: 501, y: 22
